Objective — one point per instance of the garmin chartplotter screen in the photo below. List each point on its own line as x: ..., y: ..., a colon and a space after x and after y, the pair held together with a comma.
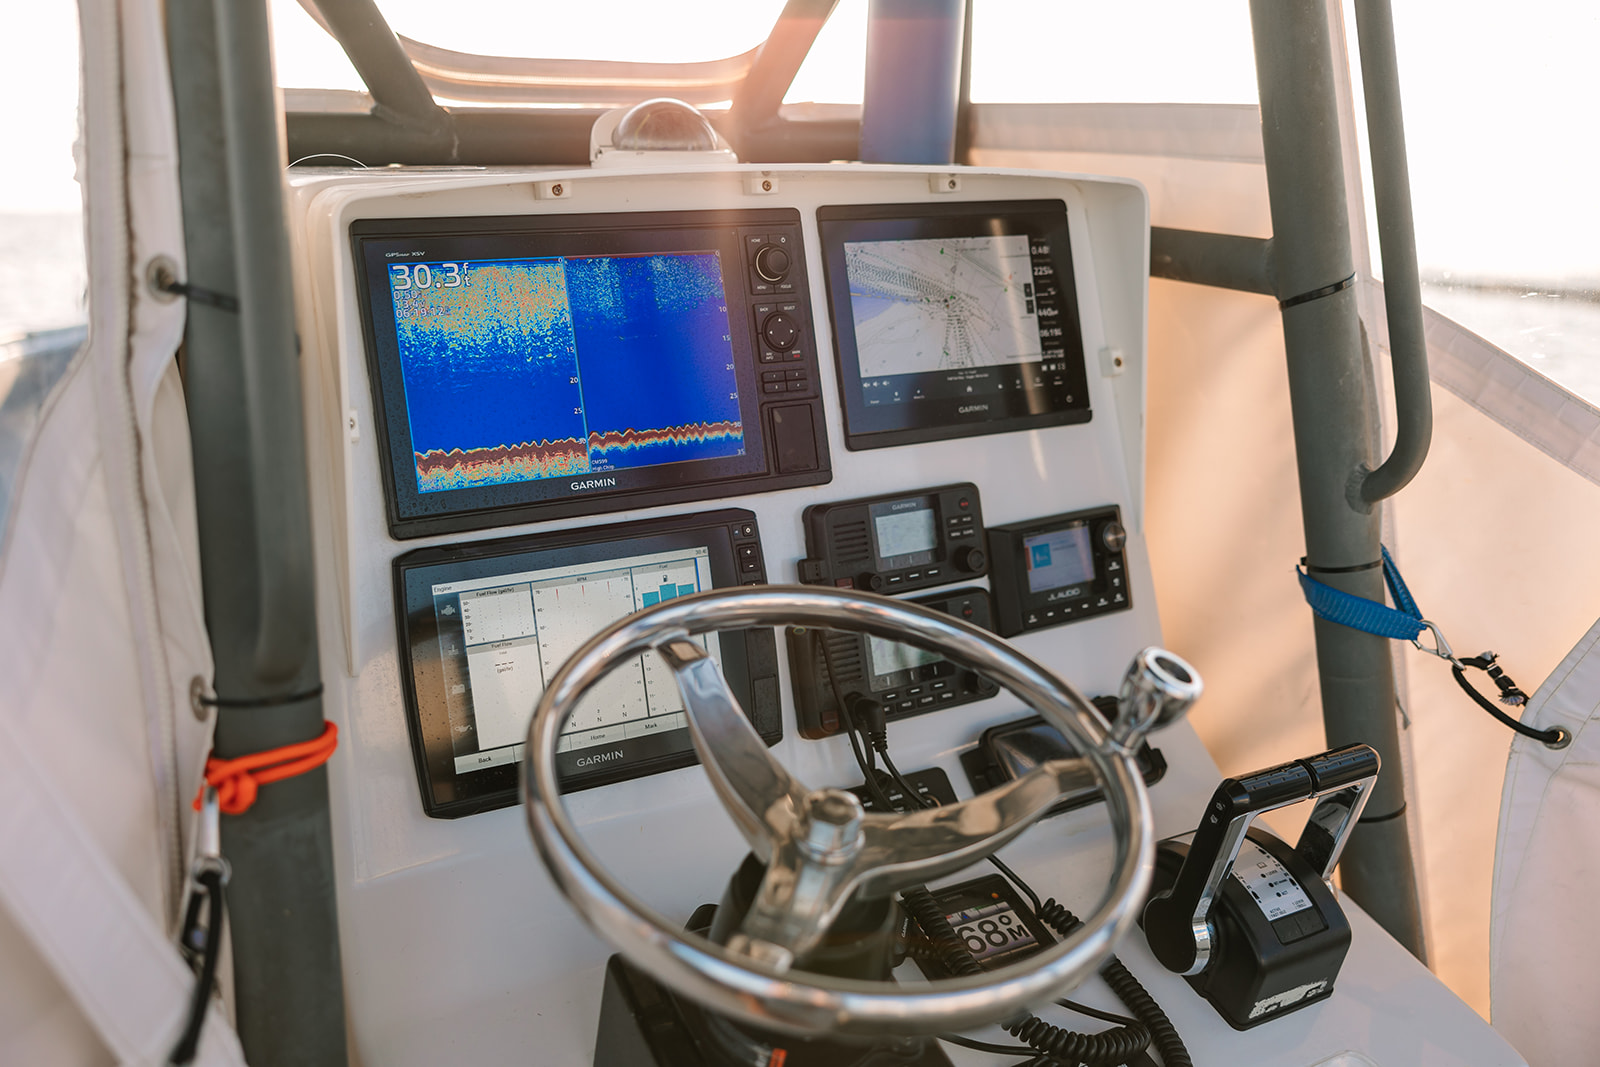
x: 488, y: 626
x: 953, y: 320
x: 529, y: 368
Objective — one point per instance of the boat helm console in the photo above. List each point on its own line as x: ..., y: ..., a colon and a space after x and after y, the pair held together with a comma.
x: 762, y: 484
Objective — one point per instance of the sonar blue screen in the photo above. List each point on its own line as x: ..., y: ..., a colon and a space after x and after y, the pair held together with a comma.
x: 521, y: 369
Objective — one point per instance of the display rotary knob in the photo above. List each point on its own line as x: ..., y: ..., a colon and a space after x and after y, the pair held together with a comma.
x: 970, y: 559
x: 772, y: 263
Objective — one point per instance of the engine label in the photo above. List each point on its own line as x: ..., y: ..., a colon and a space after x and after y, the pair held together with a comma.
x: 1269, y: 884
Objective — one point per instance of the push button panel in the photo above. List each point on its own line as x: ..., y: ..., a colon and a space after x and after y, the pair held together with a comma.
x: 778, y: 317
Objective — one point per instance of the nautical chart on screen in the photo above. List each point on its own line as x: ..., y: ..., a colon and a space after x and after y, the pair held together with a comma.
x: 946, y: 303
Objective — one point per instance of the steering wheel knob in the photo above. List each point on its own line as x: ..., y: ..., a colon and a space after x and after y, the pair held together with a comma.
x: 1157, y: 689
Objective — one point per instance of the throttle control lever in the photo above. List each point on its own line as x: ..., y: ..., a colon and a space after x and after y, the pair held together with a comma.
x: 1271, y: 937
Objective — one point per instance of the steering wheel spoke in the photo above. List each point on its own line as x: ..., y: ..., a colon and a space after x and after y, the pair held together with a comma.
x: 919, y: 846
x: 798, y: 900
x: 761, y: 796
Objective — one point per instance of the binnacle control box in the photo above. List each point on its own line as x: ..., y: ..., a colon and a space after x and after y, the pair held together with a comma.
x: 897, y: 543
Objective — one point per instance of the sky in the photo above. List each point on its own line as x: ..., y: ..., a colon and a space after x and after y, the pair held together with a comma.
x: 1500, y: 100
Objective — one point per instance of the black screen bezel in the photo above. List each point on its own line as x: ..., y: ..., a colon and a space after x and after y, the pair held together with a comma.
x: 746, y: 655
x: 413, y: 514
x: 932, y: 419
x: 1008, y: 568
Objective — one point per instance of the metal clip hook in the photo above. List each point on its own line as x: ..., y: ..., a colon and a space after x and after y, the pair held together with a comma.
x: 208, y: 842
x: 1441, y: 647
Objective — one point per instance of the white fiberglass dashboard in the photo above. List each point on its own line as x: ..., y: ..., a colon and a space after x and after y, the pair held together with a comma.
x: 450, y: 525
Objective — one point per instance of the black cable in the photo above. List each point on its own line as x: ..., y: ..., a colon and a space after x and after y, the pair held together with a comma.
x: 999, y: 864
x: 189, y: 1042
x: 1128, y: 990
x: 1016, y: 880
x: 1149, y: 1019
x: 1553, y: 736
x: 985, y: 1046
x: 1095, y: 1013
x: 869, y: 774
x: 899, y: 780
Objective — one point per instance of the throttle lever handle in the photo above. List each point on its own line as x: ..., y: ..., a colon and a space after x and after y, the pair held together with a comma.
x: 1342, y: 767
x: 1177, y: 923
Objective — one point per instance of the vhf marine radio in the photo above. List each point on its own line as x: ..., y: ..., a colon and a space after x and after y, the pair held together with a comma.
x: 1251, y: 922
x: 896, y: 543
x: 833, y: 665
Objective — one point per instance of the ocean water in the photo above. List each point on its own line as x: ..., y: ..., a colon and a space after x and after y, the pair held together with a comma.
x: 1554, y: 331
x: 42, y: 276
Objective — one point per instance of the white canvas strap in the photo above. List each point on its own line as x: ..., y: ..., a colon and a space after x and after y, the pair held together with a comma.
x: 85, y: 920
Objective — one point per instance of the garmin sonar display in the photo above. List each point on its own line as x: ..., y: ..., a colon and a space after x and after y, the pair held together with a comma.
x: 493, y: 356
x: 533, y: 367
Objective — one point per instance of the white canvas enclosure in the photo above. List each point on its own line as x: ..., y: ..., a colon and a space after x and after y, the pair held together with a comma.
x: 100, y: 578
x: 101, y: 751
x: 1544, y: 865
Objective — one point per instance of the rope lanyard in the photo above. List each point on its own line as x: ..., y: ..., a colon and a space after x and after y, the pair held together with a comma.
x: 238, y: 780
x: 1404, y: 622
x: 230, y: 787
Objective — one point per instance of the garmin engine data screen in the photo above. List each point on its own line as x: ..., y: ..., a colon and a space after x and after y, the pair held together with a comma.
x: 953, y: 320
x: 517, y: 630
x: 552, y: 365
x: 486, y: 626
x: 493, y: 356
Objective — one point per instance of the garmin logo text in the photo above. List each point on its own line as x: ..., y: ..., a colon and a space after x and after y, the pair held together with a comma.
x: 593, y: 483
x: 968, y: 409
x: 603, y: 757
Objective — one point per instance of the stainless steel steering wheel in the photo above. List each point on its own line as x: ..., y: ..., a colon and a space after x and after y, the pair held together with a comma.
x: 820, y: 847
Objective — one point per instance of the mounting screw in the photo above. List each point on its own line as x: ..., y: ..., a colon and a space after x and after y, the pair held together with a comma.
x: 161, y: 275
x: 759, y: 184
x: 197, y: 698
x: 556, y: 189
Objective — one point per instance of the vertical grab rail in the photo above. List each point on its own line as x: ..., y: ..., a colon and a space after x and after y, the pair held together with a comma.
x: 1402, y: 289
